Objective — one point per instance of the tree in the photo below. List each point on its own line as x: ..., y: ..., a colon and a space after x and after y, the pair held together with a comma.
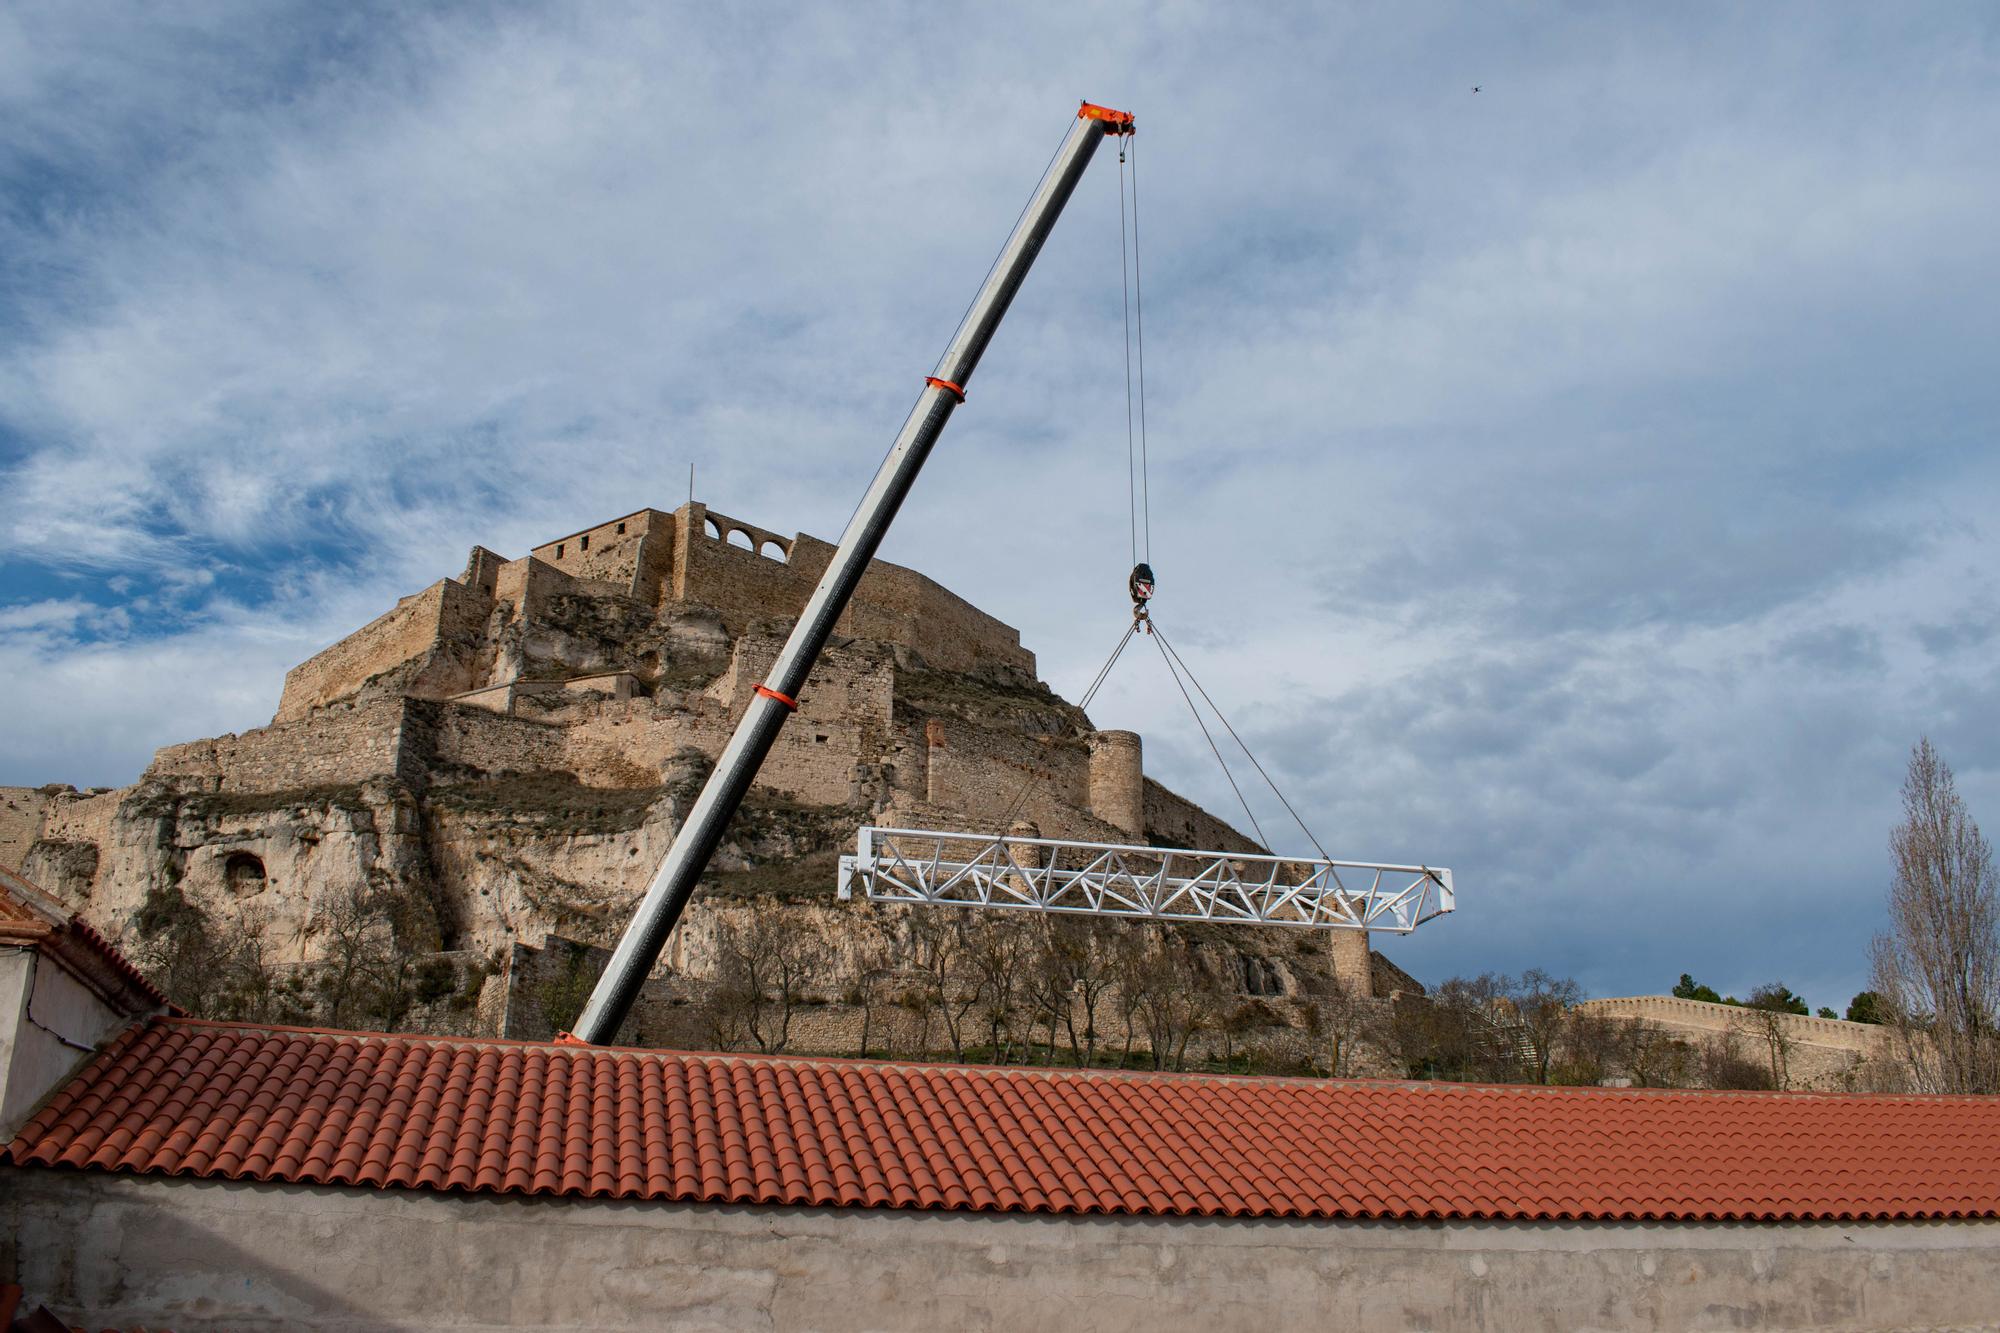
x: 1826, y: 1011
x: 998, y: 949
x: 1178, y: 1001
x: 1543, y: 1003
x: 762, y: 965
x: 1768, y: 1008
x: 1723, y: 1065
x: 1776, y: 997
x: 1688, y: 990
x: 1937, y: 968
x: 210, y: 968
x: 1865, y: 1007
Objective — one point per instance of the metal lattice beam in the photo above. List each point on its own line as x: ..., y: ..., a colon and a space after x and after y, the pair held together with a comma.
x: 1158, y: 883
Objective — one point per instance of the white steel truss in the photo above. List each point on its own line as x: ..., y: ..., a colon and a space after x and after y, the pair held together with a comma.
x: 1159, y: 883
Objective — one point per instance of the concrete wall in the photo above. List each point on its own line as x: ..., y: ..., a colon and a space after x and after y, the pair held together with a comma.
x: 43, y: 1010
x: 198, y: 1254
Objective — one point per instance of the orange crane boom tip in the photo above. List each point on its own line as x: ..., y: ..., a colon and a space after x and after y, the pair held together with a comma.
x: 1117, y: 122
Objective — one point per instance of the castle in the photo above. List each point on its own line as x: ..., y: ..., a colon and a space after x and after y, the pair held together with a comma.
x: 508, y: 753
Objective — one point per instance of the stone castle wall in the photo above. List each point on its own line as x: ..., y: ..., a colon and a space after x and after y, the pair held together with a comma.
x: 20, y: 823
x: 418, y: 625
x: 339, y: 746
x: 611, y: 552
x: 1175, y: 821
x: 691, y: 555
x: 1825, y: 1051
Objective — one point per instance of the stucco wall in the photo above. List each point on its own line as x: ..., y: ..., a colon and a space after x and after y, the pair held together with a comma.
x: 194, y: 1254
x: 36, y: 1055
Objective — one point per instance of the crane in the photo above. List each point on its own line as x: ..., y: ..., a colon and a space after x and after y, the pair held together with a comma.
x: 777, y: 698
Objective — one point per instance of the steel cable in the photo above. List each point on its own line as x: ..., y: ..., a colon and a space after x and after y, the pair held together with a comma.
x: 1174, y: 655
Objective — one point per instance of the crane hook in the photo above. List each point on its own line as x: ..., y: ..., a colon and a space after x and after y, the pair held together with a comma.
x: 1140, y: 585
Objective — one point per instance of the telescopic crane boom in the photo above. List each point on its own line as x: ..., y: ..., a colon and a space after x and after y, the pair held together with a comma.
x: 944, y: 389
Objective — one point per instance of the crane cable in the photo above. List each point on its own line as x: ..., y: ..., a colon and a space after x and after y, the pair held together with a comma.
x: 1103, y: 674
x: 1140, y: 509
x: 1140, y: 516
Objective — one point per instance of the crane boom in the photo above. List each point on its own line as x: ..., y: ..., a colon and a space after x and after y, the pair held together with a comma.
x: 944, y: 389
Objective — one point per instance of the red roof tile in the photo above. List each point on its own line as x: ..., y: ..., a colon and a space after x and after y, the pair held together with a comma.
x: 183, y: 1097
x: 31, y: 916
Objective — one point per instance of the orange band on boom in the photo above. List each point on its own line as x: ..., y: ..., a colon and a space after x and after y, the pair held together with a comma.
x: 785, y: 699
x: 946, y: 385
x: 1116, y: 122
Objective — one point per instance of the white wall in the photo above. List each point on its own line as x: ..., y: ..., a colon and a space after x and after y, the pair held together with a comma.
x: 40, y: 1005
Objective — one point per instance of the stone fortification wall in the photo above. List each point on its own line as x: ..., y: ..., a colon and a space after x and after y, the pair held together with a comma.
x: 1175, y: 821
x: 976, y: 772
x: 1825, y: 1051
x: 610, y: 552
x: 444, y: 736
x: 751, y: 573
x: 902, y: 606
x: 437, y: 637
x: 70, y: 856
x: 416, y: 627
x: 20, y: 822
x: 338, y: 746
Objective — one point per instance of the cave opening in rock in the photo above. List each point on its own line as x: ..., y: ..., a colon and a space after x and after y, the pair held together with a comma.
x: 244, y: 874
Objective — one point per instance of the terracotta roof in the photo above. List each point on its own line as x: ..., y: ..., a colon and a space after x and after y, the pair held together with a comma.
x: 191, y: 1098
x: 31, y: 916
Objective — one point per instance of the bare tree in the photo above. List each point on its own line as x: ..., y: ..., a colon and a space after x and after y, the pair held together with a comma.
x: 763, y: 964
x: 1543, y: 1003
x: 1937, y: 970
x: 1336, y: 1021
x: 998, y: 950
x: 1767, y: 1015
x: 1179, y: 1002
x: 1653, y: 1056
x: 354, y: 936
x: 1723, y: 1065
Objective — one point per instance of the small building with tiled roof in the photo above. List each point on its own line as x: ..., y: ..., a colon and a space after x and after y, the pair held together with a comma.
x: 201, y: 1174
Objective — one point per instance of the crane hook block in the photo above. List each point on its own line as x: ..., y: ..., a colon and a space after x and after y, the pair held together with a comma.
x: 1115, y: 122
x: 1140, y: 585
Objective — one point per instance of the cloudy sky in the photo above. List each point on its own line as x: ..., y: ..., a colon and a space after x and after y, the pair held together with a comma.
x: 1585, y: 483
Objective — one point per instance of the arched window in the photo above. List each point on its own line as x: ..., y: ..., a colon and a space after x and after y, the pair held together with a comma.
x: 771, y: 550
x: 244, y: 875
x: 712, y: 528
x: 738, y: 537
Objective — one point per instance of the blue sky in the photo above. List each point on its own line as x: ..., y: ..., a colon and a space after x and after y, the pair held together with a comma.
x: 1586, y: 483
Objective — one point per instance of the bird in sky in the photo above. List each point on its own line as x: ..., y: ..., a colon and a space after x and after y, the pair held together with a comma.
x: 1475, y: 87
